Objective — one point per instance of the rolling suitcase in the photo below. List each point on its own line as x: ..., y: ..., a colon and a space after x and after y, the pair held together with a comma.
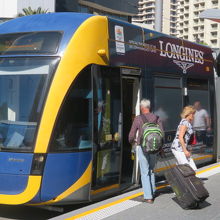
x: 188, y: 188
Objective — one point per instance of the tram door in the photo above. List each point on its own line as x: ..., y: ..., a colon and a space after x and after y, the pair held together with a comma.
x: 113, y: 108
x: 107, y: 118
x: 130, y: 108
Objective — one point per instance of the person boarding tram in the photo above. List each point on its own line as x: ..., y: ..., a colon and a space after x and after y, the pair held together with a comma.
x: 147, y: 161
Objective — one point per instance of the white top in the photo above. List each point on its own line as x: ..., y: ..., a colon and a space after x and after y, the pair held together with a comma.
x: 199, y: 122
x: 189, y: 131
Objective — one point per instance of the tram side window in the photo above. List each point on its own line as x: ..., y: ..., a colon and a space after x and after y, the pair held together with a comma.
x: 198, y: 94
x: 168, y: 101
x: 198, y: 91
x: 73, y: 128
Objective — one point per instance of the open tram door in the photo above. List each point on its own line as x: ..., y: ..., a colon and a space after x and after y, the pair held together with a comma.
x: 115, y: 95
x: 130, y: 108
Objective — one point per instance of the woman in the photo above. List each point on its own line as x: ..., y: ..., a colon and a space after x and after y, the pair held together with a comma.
x: 184, y: 131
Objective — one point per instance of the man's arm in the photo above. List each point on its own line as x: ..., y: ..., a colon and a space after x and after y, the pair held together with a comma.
x: 208, y: 122
x: 133, y: 131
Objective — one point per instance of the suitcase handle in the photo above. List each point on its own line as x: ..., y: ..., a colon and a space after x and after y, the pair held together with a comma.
x: 185, y: 169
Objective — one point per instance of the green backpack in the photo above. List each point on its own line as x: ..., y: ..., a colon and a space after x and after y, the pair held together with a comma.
x: 152, y: 137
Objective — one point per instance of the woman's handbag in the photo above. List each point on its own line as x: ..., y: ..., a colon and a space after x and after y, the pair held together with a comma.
x: 192, y: 140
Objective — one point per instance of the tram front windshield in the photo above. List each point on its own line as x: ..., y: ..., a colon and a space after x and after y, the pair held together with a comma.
x: 23, y: 86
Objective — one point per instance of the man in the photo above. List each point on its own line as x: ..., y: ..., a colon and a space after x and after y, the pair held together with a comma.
x: 201, y: 123
x: 147, y: 161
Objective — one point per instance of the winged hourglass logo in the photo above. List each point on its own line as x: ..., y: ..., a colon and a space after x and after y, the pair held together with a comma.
x: 183, y: 65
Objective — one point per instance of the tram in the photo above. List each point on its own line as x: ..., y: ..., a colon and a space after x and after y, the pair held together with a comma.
x: 70, y: 85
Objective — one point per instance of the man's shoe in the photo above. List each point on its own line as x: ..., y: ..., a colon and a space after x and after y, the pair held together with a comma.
x: 150, y: 201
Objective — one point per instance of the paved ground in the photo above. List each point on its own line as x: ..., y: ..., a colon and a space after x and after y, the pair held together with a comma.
x: 125, y: 207
x: 165, y: 207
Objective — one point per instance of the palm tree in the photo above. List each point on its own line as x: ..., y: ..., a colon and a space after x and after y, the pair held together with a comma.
x: 30, y: 11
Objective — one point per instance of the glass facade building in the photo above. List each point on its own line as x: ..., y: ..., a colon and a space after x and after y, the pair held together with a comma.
x: 121, y: 9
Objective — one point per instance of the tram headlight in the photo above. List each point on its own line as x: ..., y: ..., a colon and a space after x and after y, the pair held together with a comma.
x: 38, y: 164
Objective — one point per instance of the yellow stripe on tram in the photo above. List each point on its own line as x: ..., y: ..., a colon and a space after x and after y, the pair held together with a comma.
x: 94, y: 192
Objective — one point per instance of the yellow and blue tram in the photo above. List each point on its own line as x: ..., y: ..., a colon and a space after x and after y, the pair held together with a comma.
x: 70, y: 85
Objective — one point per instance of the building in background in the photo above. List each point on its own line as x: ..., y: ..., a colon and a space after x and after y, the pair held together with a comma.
x: 147, y: 14
x: 121, y: 9
x: 191, y: 27
x: 180, y: 18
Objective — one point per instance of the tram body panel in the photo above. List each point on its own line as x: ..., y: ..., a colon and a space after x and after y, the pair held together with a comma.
x: 80, y: 187
x: 15, y: 163
x: 30, y: 191
x: 15, y: 172
x: 156, y: 50
x: 61, y: 171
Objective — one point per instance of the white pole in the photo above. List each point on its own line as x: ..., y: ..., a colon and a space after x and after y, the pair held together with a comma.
x: 158, y: 15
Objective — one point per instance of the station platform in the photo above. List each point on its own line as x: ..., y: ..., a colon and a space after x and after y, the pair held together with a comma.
x: 129, y: 206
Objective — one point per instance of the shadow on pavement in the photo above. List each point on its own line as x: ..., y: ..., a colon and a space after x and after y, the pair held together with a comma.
x: 200, y: 205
